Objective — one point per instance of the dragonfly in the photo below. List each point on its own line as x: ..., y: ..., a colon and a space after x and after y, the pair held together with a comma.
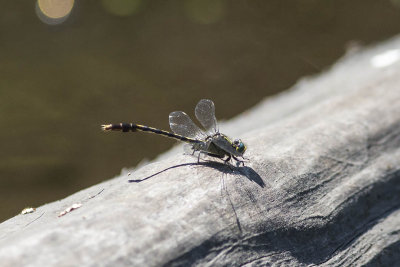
x: 208, y: 141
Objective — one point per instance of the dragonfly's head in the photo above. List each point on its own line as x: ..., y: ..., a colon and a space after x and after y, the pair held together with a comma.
x: 239, y: 146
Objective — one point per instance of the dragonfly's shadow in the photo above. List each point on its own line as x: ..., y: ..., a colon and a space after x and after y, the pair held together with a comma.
x: 246, y: 171
x: 252, y: 175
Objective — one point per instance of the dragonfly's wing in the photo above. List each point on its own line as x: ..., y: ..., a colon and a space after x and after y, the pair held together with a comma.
x: 205, y: 113
x: 181, y: 124
x: 225, y: 144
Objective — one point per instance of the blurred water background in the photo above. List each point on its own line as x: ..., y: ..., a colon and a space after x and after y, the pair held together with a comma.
x: 68, y: 66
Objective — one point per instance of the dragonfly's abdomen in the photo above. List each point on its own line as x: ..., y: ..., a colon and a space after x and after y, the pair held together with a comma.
x: 126, y: 127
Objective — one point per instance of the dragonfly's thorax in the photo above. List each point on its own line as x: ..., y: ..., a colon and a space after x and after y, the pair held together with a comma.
x: 222, y: 145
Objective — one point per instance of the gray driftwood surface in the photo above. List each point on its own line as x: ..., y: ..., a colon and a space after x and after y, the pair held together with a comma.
x: 322, y: 188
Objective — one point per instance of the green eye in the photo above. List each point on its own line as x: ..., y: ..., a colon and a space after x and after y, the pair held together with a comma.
x: 239, y: 146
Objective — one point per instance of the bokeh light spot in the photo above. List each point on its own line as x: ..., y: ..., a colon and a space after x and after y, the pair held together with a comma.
x: 121, y: 7
x: 54, y: 11
x: 205, y: 11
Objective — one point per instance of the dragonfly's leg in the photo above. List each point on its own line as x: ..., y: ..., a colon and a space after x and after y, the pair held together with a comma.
x: 245, y: 159
x: 227, y: 162
x: 205, y: 153
x: 198, y: 157
x: 210, y: 155
x: 238, y: 161
x: 220, y: 157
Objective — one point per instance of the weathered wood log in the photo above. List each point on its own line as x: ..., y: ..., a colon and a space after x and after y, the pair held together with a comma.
x: 322, y: 188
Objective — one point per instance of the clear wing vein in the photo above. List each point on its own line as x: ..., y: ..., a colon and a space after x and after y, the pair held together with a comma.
x: 205, y: 114
x: 181, y: 124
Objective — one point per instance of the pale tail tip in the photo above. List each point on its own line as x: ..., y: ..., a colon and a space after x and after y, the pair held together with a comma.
x: 106, y: 127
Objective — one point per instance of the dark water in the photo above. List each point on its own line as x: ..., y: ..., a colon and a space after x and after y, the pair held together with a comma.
x: 138, y: 63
